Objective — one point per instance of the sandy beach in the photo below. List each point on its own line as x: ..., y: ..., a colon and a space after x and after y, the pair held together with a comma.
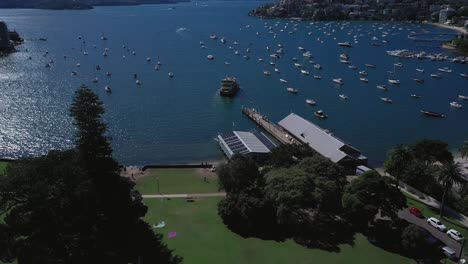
x: 458, y: 29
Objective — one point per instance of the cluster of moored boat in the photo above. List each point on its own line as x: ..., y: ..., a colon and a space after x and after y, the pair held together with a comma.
x: 423, y: 55
x: 106, y: 53
x: 307, y: 60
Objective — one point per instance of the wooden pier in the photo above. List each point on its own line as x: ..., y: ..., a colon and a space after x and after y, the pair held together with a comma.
x: 280, y: 134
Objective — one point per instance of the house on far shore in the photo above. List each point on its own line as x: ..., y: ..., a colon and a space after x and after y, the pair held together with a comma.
x: 255, y: 144
x: 445, y: 14
x: 323, y: 142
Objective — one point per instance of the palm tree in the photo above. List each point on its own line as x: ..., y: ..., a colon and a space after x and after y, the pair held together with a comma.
x: 450, y: 173
x: 398, y: 159
x: 464, y: 150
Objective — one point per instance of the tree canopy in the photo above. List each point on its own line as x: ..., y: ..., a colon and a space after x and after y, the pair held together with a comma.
x: 370, y: 194
x: 73, y: 206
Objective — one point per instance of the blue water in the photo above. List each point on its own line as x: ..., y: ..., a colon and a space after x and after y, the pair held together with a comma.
x: 175, y: 120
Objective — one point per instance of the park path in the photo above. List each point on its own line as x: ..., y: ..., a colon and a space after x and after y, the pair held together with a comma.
x: 184, y: 195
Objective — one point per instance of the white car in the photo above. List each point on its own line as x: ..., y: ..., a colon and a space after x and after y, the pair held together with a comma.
x: 455, y: 235
x: 436, y: 223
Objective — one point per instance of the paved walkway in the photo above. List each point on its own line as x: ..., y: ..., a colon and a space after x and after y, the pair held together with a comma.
x: 184, y: 195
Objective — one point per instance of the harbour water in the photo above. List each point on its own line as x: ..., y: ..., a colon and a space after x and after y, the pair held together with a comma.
x: 174, y: 120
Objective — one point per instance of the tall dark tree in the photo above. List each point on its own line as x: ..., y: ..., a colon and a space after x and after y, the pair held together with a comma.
x: 430, y: 151
x: 450, y: 174
x: 289, y: 154
x: 464, y: 148
x: 371, y: 194
x: 73, y: 206
x: 398, y: 160
x: 239, y: 174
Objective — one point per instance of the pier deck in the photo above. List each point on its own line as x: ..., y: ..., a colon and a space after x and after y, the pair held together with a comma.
x: 280, y: 134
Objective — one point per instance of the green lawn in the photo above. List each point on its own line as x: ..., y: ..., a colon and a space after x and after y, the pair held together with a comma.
x: 178, y: 181
x: 3, y: 165
x: 203, y: 238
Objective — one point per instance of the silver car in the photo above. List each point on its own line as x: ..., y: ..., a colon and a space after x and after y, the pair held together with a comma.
x: 436, y: 223
x: 455, y: 235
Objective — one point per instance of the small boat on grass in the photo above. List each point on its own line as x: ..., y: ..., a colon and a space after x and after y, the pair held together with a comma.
x: 432, y: 114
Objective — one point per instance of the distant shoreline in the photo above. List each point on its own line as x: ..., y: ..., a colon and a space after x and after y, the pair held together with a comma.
x: 458, y: 29
x: 82, y: 6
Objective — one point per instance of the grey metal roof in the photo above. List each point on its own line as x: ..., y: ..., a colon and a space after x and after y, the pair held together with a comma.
x: 251, y: 142
x: 244, y: 143
x: 317, y: 138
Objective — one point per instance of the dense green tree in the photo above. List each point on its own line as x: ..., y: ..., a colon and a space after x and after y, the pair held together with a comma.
x: 430, y: 151
x: 289, y: 154
x: 398, y: 160
x: 73, y: 206
x: 329, y: 180
x: 292, y: 193
x: 449, y: 174
x: 413, y: 240
x: 368, y: 195
x: 239, y: 174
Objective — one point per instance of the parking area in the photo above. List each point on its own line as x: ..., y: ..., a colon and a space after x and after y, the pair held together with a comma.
x: 422, y: 222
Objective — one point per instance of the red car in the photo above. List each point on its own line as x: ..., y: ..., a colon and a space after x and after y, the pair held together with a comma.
x: 415, y: 211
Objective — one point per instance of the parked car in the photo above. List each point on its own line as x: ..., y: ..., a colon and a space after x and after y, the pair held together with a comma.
x: 436, y: 223
x: 449, y: 252
x: 415, y: 211
x: 455, y: 235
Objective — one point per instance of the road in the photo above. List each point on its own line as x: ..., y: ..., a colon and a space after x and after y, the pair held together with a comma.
x: 422, y: 222
x: 184, y: 195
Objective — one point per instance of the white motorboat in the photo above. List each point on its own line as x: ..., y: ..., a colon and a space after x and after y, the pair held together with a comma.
x: 363, y: 73
x: 386, y: 100
x: 304, y: 72
x: 394, y: 81
x: 292, y: 90
x: 420, y: 70
x: 318, y: 77
x: 345, y: 44
x: 416, y: 96
x: 318, y: 66
x: 382, y: 87
x: 456, y: 105
x: 210, y: 57
x: 463, y: 97
x: 352, y: 67
x: 399, y: 64
x: 277, y: 70
x: 445, y: 69
x: 338, y: 81
x: 108, y: 89
x: 344, y: 97
x: 266, y: 73
x: 436, y: 76
x: 138, y: 82
x: 310, y: 102
x: 320, y: 114
x: 171, y: 75
x: 298, y: 65
x: 283, y: 80
x: 363, y: 79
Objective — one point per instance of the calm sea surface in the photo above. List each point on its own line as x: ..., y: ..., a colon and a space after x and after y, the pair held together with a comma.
x: 175, y: 120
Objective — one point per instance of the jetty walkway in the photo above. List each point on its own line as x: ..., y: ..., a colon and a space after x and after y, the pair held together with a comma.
x: 280, y: 134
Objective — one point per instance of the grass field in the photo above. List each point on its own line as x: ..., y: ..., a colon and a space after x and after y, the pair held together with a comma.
x: 177, y: 181
x: 203, y: 238
x: 3, y: 165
